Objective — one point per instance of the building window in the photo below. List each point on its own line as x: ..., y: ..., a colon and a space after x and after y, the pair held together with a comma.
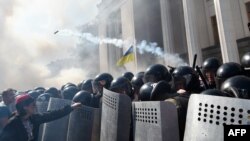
x: 248, y: 14
x: 248, y: 10
x: 215, y: 30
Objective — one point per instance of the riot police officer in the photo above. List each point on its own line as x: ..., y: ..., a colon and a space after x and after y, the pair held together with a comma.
x: 83, y: 97
x: 34, y: 94
x: 87, y: 85
x: 156, y: 73
x: 185, y: 78
x: 137, y: 82
x: 237, y: 86
x: 101, y: 81
x: 122, y: 85
x: 128, y: 75
x: 209, y: 68
x: 245, y: 62
x: 69, y: 92
x: 162, y: 91
x: 145, y: 91
x: 226, y: 71
x: 185, y: 82
x: 54, y: 92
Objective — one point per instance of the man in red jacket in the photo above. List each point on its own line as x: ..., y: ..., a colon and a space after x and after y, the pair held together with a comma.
x: 24, y: 126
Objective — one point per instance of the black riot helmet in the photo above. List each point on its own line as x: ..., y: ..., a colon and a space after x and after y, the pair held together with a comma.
x: 237, y: 86
x: 40, y: 89
x: 161, y: 91
x: 185, y: 77
x: 128, y: 75
x: 156, y: 73
x: 101, y: 81
x: 34, y: 94
x: 43, y: 97
x: 137, y: 81
x: 209, y: 68
x: 245, y: 60
x: 69, y: 84
x: 245, y: 63
x: 214, y: 92
x: 83, y: 97
x: 211, y: 64
x: 79, y: 86
x: 226, y: 71
x: 53, y: 92
x: 123, y: 86
x: 87, y: 85
x: 69, y: 92
x: 145, y: 91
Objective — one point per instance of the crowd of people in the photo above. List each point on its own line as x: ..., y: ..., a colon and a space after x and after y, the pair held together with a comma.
x: 19, y: 120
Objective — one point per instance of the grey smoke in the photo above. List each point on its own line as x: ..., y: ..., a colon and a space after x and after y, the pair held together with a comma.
x: 82, y: 56
x: 31, y: 56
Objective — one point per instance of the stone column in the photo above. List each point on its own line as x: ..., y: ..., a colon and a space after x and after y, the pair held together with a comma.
x: 128, y: 31
x: 192, y: 31
x: 167, y: 26
x: 229, y: 48
x: 103, y: 50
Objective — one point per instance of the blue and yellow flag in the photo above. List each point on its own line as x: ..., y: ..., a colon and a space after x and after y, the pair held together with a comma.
x: 127, y: 57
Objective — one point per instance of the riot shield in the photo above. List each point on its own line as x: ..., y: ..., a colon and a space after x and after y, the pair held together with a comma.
x: 116, y: 116
x: 84, y: 124
x: 207, y: 115
x: 56, y: 130
x: 155, y: 121
x: 41, y: 108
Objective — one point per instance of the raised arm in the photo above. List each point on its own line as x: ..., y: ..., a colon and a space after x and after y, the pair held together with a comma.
x: 54, y: 115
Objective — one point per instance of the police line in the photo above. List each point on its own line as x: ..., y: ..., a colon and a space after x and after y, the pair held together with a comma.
x: 149, y: 121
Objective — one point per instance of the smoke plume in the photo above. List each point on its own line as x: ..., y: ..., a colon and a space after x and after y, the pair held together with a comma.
x: 143, y: 47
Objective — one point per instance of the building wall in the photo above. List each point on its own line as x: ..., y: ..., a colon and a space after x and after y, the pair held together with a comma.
x: 147, y: 18
x: 179, y: 33
x: 202, y: 24
x: 110, y: 26
x: 114, y: 31
x: 238, y: 21
x: 239, y: 15
x: 173, y: 26
x: 240, y: 26
x: 244, y: 16
x: 148, y: 26
x: 144, y: 20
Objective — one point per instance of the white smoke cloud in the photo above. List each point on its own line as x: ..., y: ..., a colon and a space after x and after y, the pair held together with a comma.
x: 67, y: 75
x: 27, y: 43
x: 142, y: 47
x: 31, y: 55
x: 91, y: 38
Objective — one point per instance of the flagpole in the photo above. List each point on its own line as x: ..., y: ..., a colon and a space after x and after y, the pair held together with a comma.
x: 135, y: 52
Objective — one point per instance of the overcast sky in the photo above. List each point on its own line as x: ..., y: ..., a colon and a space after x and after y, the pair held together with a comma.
x: 27, y: 42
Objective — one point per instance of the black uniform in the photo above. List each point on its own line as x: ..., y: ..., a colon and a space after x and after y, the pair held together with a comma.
x: 181, y: 103
x: 15, y: 130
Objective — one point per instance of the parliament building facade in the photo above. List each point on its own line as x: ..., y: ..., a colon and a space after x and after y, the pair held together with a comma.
x: 207, y: 28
